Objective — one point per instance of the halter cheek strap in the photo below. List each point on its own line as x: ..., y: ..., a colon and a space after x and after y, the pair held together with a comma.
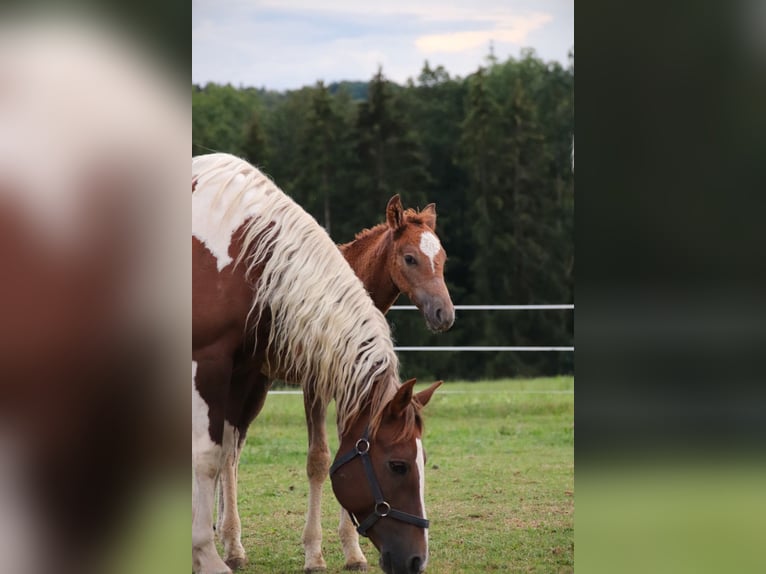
x: 382, y: 508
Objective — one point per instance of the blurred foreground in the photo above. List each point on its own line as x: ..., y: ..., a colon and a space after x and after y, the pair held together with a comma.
x: 94, y: 300
x: 671, y: 313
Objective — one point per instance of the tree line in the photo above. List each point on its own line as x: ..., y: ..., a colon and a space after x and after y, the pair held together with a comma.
x: 493, y: 150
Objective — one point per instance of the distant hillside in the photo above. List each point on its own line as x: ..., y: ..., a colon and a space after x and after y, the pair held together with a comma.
x: 357, y: 90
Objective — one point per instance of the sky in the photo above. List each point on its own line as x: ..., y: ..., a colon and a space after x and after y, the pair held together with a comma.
x: 287, y: 44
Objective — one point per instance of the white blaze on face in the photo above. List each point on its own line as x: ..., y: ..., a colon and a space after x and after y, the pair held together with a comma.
x: 430, y: 246
x: 421, y: 464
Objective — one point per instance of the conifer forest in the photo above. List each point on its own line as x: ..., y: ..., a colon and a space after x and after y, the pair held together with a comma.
x: 494, y: 152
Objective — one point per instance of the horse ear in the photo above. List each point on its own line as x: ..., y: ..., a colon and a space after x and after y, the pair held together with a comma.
x: 429, y: 216
x: 402, y: 398
x: 424, y: 396
x: 395, y: 213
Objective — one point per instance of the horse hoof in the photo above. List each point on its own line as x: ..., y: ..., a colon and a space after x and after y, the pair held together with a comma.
x: 316, y: 569
x: 236, y: 563
x: 356, y: 567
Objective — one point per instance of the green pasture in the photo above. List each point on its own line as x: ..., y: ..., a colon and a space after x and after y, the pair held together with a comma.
x: 499, y: 483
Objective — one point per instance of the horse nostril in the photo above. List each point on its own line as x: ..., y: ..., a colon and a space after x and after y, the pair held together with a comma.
x: 415, y: 564
x: 439, y: 314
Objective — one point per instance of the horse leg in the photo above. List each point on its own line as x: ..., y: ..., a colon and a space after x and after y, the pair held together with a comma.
x: 208, y: 454
x: 229, y: 525
x: 349, y: 539
x: 317, y: 466
x: 219, y: 496
x: 243, y: 410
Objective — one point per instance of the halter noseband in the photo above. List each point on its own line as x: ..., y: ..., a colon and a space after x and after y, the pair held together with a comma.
x: 382, y: 508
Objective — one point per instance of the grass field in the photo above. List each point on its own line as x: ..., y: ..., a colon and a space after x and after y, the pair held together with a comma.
x: 499, y: 482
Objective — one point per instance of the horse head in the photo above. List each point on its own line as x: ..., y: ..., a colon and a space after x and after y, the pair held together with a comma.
x: 417, y: 266
x: 378, y: 476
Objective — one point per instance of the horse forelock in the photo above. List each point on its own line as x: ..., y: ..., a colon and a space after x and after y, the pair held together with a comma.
x: 411, y: 216
x: 409, y: 425
x: 414, y: 217
x: 412, y: 426
x: 325, y: 330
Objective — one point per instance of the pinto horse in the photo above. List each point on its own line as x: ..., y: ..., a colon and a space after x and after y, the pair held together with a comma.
x: 274, y: 298
x: 402, y: 255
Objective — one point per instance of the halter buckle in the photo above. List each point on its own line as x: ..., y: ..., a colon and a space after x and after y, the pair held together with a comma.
x: 382, y: 508
x: 362, y: 446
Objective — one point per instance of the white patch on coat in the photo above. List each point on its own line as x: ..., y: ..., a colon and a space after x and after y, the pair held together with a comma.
x: 221, y: 203
x: 200, y: 419
x: 430, y: 246
x: 205, y: 453
x: 421, y: 464
x: 202, y: 444
x: 206, y: 461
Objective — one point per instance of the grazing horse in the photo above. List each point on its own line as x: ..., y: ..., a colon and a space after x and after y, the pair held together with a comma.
x: 274, y: 298
x: 402, y: 255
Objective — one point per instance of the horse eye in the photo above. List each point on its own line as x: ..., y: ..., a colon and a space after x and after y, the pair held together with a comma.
x: 410, y: 260
x: 398, y: 467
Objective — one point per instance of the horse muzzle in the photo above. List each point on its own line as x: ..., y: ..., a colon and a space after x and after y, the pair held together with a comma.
x: 439, y: 315
x: 412, y: 565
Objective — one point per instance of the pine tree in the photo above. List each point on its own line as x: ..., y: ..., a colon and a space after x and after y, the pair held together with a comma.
x: 319, y: 156
x: 254, y: 146
x: 481, y: 158
x: 389, y: 156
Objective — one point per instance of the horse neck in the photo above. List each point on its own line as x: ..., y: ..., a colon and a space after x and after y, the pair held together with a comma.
x: 369, y: 255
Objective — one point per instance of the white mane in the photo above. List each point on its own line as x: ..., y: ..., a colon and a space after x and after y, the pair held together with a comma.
x: 325, y: 330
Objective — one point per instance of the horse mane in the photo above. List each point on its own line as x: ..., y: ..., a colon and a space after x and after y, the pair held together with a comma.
x: 410, y: 215
x: 325, y: 330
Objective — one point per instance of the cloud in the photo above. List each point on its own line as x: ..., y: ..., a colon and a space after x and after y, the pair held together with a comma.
x: 513, y: 30
x: 285, y: 44
x: 423, y: 10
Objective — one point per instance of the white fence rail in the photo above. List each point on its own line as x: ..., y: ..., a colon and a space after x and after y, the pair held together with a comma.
x: 490, y: 308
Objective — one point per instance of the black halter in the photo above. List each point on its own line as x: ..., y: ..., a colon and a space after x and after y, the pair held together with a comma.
x: 382, y: 508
